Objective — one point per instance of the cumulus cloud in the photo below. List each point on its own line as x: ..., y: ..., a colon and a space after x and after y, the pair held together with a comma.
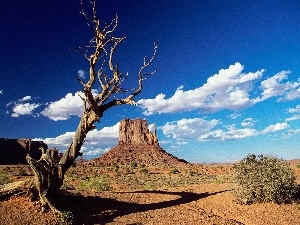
x: 276, y: 127
x: 152, y: 128
x: 206, y: 130
x: 24, y: 99
x: 229, y: 89
x: 295, y: 110
x: 22, y: 107
x: 65, y: 107
x: 235, y: 115
x: 70, y: 105
x: 81, y: 74
x: 275, y: 86
x: 231, y: 132
x: 291, y: 132
x: 188, y: 128
x: 295, y: 117
x: 95, y: 152
x: 248, y: 122
x: 96, y: 142
x: 1, y: 92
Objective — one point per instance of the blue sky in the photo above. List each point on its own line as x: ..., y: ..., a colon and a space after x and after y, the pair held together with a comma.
x: 227, y: 81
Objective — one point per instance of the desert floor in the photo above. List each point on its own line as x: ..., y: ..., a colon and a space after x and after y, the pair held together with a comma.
x: 196, y: 194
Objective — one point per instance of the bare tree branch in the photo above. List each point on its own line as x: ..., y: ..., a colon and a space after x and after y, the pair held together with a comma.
x: 49, y: 173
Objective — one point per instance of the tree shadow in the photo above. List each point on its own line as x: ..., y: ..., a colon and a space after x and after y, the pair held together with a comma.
x: 97, y: 210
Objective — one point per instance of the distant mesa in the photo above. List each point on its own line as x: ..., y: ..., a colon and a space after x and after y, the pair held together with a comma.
x: 14, y: 151
x: 136, y: 144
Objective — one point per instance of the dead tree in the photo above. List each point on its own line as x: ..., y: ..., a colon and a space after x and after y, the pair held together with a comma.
x: 49, y: 170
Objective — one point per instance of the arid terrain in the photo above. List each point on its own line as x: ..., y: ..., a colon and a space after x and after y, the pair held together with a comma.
x: 139, y: 194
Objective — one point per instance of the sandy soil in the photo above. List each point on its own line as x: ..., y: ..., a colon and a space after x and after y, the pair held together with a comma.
x: 199, y: 194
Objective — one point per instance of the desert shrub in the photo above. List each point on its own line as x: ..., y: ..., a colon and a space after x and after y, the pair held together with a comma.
x: 174, y: 171
x: 133, y: 164
x: 264, y: 179
x: 220, y: 179
x: 194, y: 173
x: 22, y: 172
x: 94, y: 183
x: 298, y: 166
x: 4, y: 178
x: 65, y: 218
x: 67, y: 185
x: 116, y: 168
x: 144, y: 170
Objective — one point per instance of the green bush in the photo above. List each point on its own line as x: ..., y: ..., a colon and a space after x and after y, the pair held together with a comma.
x: 264, y: 179
x: 133, y: 164
x: 144, y: 170
x: 116, y: 168
x: 65, y: 218
x: 194, y: 173
x: 94, y: 183
x: 22, y: 172
x: 4, y: 178
x: 174, y: 171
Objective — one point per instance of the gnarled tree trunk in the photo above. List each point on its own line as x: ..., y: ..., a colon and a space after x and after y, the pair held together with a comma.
x: 49, y: 170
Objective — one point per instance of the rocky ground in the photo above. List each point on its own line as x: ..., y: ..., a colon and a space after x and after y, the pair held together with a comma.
x: 139, y: 194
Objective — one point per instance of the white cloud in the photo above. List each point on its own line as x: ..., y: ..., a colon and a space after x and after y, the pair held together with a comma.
x: 204, y: 130
x: 23, y: 109
x: 95, y: 152
x: 81, y: 74
x: 96, y: 140
x: 248, y: 122
x: 1, y: 92
x: 152, y: 128
x: 229, y: 89
x: 61, y: 142
x: 65, y: 107
x: 294, y: 110
x: 188, y: 128
x: 235, y: 115
x: 230, y: 133
x: 290, y: 133
x: 24, y: 99
x: 276, y: 127
x: 275, y: 86
x: 295, y: 117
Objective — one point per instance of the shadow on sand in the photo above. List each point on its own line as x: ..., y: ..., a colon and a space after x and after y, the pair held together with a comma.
x: 97, y: 210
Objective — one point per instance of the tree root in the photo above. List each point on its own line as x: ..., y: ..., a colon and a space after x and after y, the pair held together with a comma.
x: 47, y: 203
x: 24, y: 187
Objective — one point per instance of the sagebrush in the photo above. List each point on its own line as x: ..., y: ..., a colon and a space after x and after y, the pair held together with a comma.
x: 95, y: 184
x: 264, y: 178
x: 4, y: 178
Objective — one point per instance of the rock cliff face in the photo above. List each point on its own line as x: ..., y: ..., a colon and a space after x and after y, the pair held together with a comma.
x: 14, y: 151
x: 136, y: 132
x: 136, y: 144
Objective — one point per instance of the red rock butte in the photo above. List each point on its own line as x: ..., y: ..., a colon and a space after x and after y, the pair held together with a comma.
x: 136, y: 132
x: 139, y: 144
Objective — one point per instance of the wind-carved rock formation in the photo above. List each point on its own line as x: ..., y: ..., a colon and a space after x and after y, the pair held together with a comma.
x: 14, y: 151
x: 137, y: 143
x: 136, y: 132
